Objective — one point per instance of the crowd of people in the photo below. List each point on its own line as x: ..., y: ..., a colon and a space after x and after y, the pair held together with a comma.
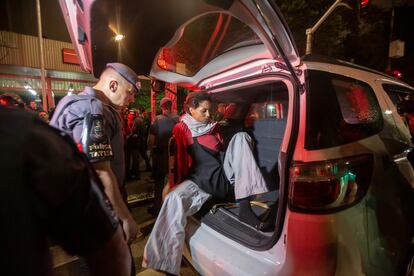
x: 94, y: 146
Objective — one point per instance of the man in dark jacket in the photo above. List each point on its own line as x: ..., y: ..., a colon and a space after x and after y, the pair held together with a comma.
x: 50, y: 191
x: 92, y: 119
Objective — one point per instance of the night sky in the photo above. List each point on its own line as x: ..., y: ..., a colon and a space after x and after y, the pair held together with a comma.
x: 20, y: 16
x: 404, y: 23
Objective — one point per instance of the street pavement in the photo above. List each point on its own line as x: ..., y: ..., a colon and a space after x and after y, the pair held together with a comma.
x: 139, y: 199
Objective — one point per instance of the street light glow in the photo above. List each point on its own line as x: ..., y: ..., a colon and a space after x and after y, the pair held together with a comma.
x: 32, y: 91
x: 29, y: 88
x: 119, y: 37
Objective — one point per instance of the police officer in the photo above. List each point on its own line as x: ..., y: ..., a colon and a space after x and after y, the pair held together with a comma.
x: 49, y: 191
x: 92, y: 119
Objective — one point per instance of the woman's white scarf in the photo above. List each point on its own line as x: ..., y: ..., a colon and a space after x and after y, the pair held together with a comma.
x: 197, y: 129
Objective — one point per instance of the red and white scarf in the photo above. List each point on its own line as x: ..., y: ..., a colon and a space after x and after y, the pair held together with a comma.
x: 197, y: 128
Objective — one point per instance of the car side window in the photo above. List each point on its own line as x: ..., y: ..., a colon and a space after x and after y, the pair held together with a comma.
x: 397, y: 93
x: 400, y: 97
x: 340, y: 110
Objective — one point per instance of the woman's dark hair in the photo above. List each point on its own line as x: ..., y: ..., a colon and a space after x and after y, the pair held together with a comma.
x: 194, y: 99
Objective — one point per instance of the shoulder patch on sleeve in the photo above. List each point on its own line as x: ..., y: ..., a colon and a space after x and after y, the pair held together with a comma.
x: 95, y: 141
x: 97, y: 129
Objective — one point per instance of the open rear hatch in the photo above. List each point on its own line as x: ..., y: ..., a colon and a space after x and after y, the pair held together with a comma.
x: 150, y: 26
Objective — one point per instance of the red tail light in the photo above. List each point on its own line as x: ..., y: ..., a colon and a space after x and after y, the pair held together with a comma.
x: 80, y: 147
x: 329, y: 186
x: 4, y: 102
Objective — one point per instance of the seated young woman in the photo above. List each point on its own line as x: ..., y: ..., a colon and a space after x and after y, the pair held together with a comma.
x: 204, y: 171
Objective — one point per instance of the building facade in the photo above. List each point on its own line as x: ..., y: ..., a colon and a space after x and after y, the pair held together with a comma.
x: 20, y: 68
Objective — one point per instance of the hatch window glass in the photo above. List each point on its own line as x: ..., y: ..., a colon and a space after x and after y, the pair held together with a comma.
x: 203, y: 40
x: 340, y: 110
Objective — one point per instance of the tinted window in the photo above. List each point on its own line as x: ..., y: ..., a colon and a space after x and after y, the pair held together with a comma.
x: 275, y: 109
x: 203, y: 40
x: 398, y: 93
x: 340, y: 110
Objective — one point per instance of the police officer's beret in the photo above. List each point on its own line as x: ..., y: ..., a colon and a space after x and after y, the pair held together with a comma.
x: 126, y: 72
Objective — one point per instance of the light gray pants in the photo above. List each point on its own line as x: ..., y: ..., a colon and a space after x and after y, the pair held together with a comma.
x: 164, y: 248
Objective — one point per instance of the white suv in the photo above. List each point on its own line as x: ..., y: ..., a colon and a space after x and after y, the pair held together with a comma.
x: 329, y: 140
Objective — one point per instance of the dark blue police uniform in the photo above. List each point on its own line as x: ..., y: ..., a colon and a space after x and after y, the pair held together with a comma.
x: 89, y: 116
x: 47, y: 191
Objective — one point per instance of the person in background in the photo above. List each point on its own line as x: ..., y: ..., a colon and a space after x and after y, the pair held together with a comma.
x: 44, y: 116
x: 219, y: 115
x: 49, y: 191
x: 34, y: 107
x: 134, y: 136
x: 124, y: 119
x: 405, y: 109
x: 145, y: 124
x: 143, y: 114
x: 92, y: 119
x: 159, y: 135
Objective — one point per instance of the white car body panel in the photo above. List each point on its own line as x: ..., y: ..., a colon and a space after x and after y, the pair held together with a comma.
x: 214, y: 254
x: 332, y: 244
x: 296, y: 253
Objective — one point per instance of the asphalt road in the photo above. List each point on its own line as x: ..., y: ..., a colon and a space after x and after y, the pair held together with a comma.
x: 140, y: 198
